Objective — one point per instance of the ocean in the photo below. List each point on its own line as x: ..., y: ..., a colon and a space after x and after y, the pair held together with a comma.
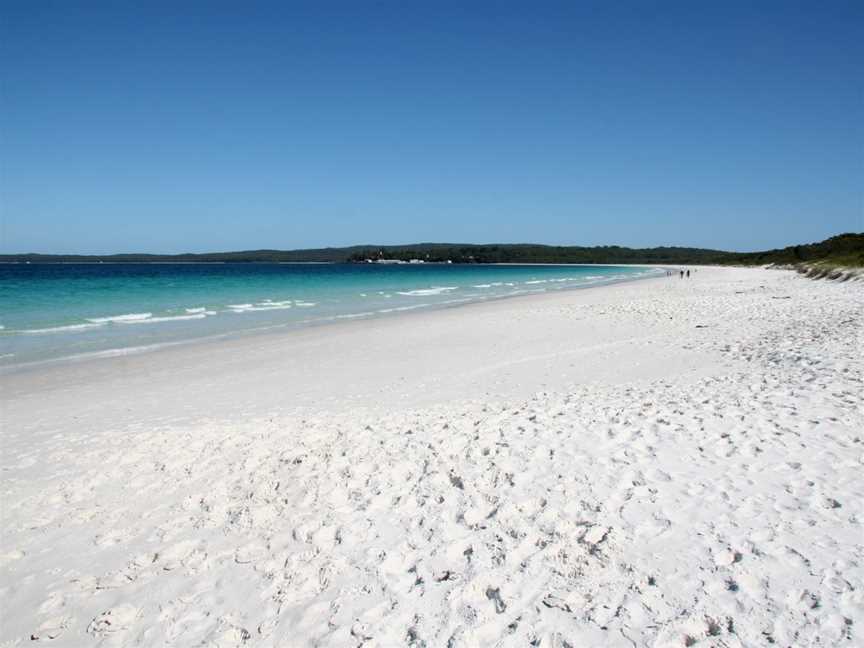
x: 50, y: 312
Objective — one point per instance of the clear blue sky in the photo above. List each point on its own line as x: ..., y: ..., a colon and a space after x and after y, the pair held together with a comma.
x: 182, y: 126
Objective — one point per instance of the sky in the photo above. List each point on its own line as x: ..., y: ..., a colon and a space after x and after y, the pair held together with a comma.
x: 183, y: 126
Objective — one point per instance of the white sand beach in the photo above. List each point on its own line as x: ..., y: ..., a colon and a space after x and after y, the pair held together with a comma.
x: 665, y: 462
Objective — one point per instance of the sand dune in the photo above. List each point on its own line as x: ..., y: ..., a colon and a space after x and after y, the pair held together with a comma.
x: 663, y: 463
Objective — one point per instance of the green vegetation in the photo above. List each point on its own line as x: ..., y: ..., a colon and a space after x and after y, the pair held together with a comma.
x: 842, y: 261
x: 842, y: 250
x: 845, y: 250
x: 526, y: 253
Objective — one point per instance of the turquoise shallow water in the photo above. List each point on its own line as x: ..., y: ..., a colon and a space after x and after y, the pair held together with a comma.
x: 54, y: 311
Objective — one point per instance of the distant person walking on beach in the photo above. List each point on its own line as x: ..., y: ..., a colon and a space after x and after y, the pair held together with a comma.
x: 688, y: 274
x: 682, y: 273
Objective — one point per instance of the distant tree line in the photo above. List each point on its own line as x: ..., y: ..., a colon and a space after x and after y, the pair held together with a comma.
x: 539, y: 254
x: 845, y: 248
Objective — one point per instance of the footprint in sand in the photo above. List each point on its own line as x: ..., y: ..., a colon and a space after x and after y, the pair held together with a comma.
x: 50, y: 629
x: 115, y: 579
x: 266, y: 627
x: 494, y: 595
x: 362, y: 632
x: 802, y: 600
x: 114, y: 537
x: 178, y: 555
x: 126, y: 575
x: 114, y: 620
x: 595, y: 535
x: 726, y: 558
x: 653, y: 527
x: 54, y: 602
x: 11, y: 556
x: 229, y: 637
x: 253, y: 552
x: 193, y: 623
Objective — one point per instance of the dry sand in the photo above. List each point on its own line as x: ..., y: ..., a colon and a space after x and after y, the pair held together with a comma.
x: 661, y: 463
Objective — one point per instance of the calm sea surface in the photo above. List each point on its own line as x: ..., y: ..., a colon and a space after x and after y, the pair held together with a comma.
x: 55, y: 311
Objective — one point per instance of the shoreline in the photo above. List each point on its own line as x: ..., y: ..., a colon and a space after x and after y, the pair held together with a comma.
x: 664, y: 463
x: 198, y: 379
x: 289, y: 327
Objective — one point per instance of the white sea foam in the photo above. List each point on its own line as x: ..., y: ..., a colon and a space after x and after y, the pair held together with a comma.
x: 195, y: 310
x: 304, y: 304
x: 167, y: 318
x: 353, y: 315
x: 270, y: 302
x: 482, y: 286
x: 536, y: 281
x: 106, y: 353
x: 259, y: 307
x: 61, y: 329
x: 425, y: 292
x: 130, y: 317
x: 403, y: 308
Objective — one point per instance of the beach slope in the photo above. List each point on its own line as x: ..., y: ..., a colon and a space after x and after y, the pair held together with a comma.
x: 668, y: 462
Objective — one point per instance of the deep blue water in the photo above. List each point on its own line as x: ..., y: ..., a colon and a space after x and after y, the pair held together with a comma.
x: 54, y: 311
